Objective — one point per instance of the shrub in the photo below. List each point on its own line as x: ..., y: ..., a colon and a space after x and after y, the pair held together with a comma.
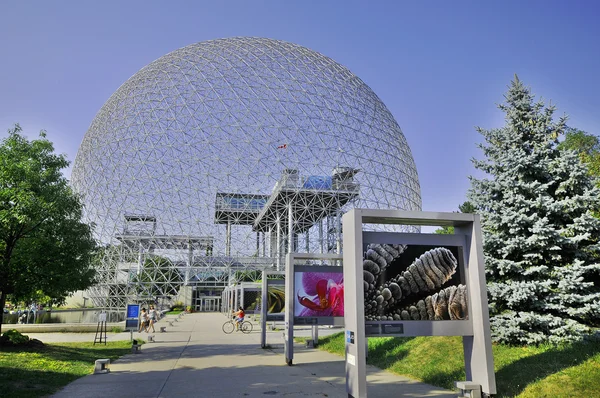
x: 13, y: 336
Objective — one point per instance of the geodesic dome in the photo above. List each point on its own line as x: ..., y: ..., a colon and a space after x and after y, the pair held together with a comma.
x: 194, y: 167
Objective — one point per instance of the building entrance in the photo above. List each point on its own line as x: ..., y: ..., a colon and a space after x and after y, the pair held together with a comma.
x: 207, y: 304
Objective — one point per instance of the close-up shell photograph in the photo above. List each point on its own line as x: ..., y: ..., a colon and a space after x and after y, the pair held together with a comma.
x: 413, y: 282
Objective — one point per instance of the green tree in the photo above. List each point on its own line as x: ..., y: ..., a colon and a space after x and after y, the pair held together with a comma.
x: 466, y: 207
x: 587, y: 147
x: 158, y: 277
x: 247, y: 276
x: 541, y: 240
x: 45, y: 247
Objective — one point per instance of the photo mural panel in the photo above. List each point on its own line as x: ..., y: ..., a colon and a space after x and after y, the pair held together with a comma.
x: 319, y: 294
x: 414, y: 282
x: 275, y: 297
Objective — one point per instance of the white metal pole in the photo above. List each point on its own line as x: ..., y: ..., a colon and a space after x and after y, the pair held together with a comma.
x: 263, y: 311
x: 321, y: 235
x: 278, y: 248
x: 189, y: 263
x: 290, y: 229
x: 228, y: 239
x: 307, y: 242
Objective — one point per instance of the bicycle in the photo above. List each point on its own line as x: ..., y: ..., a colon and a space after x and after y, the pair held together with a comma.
x: 229, y: 327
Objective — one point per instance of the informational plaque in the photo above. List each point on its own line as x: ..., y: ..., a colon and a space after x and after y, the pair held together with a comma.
x: 102, y: 317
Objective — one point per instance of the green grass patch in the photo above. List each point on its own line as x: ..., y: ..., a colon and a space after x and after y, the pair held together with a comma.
x: 38, y: 372
x: 174, y: 312
x: 304, y: 340
x: 571, y: 370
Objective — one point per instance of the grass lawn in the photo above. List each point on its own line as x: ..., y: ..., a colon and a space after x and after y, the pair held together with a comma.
x: 37, y: 372
x: 532, y: 372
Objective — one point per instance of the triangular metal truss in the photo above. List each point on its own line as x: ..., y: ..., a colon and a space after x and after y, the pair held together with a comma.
x: 193, y: 169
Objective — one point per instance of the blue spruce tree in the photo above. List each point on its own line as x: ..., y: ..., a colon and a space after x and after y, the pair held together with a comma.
x: 541, y: 240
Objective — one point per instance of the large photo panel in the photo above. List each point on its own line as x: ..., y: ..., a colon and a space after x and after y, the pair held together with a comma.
x: 318, y: 291
x: 275, y: 299
x: 413, y: 277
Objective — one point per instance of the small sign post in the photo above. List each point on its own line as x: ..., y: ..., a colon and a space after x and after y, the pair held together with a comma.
x: 101, y: 329
x: 132, y: 317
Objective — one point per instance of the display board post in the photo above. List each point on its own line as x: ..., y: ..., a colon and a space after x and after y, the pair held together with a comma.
x: 263, y: 311
x: 479, y: 361
x: 288, y: 336
x: 409, y: 284
x: 242, y: 291
x: 354, y: 318
x: 236, y: 302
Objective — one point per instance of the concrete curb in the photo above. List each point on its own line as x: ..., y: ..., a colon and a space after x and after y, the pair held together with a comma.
x: 59, y: 327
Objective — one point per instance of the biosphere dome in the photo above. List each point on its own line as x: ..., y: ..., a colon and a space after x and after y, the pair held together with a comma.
x: 191, y: 169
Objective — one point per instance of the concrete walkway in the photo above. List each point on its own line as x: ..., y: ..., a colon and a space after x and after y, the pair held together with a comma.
x: 194, y: 358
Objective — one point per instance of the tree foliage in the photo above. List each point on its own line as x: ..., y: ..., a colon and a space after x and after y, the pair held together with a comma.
x: 247, y: 276
x: 466, y: 207
x: 587, y: 147
x: 157, y: 277
x: 45, y: 248
x: 541, y: 241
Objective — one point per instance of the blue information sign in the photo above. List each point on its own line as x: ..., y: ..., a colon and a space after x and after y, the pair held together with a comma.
x: 349, y: 337
x: 131, y: 324
x: 133, y: 311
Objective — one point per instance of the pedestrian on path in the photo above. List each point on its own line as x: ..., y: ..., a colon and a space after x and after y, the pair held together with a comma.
x: 143, y: 321
x: 153, y: 317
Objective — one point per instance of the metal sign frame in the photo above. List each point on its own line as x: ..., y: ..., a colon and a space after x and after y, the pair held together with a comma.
x: 264, y: 310
x: 132, y: 317
x: 477, y: 346
x: 290, y: 268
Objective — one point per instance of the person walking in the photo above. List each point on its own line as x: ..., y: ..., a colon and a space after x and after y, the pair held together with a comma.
x: 143, y: 321
x: 152, y: 318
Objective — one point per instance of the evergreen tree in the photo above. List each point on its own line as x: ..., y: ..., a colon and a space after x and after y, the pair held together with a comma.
x: 466, y: 207
x: 541, y: 241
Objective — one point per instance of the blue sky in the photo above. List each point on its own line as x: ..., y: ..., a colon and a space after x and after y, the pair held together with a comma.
x: 439, y: 66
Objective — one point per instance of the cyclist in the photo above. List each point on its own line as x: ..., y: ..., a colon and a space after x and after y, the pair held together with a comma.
x: 239, y: 317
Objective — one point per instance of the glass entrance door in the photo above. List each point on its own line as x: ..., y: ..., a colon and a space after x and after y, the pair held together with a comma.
x: 207, y: 304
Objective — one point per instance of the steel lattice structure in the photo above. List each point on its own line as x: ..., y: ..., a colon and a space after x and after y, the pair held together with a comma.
x: 223, y: 155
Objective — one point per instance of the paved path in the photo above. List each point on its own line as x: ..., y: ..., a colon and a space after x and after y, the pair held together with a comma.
x: 194, y: 358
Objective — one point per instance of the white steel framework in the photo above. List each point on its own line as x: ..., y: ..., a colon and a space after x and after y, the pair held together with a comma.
x: 219, y: 158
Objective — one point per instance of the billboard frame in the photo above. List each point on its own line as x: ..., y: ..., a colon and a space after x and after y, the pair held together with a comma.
x: 475, y: 331
x: 264, y: 314
x: 290, y: 280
